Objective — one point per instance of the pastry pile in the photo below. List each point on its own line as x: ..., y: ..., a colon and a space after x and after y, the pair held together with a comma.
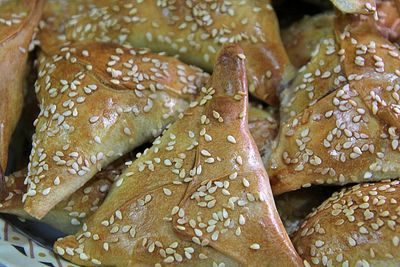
x: 204, y: 133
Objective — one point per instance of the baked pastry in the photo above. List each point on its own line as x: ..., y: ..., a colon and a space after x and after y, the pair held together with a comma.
x: 263, y: 126
x: 355, y: 6
x: 386, y: 14
x: 340, y: 116
x: 357, y: 226
x: 69, y: 215
x: 302, y: 37
x: 389, y: 19
x: 98, y: 102
x: 17, y: 22
x: 199, y: 196
x: 3, y: 191
x: 194, y: 30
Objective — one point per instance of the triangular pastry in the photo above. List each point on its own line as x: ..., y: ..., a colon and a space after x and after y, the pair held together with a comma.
x: 358, y: 226
x: 18, y: 20
x: 302, y: 37
x: 69, y: 215
x: 194, y: 30
x: 340, y: 117
x: 198, y: 197
x: 98, y: 102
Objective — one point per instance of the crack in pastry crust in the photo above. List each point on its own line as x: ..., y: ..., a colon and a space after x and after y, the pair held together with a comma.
x: 199, y: 196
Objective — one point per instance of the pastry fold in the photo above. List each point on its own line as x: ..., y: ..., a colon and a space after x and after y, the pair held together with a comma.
x: 18, y: 20
x: 340, y: 117
x: 98, y: 102
x: 357, y: 226
x: 194, y: 30
x: 199, y: 196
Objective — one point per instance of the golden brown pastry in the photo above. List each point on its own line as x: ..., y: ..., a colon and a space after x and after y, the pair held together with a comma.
x: 263, y: 126
x: 389, y: 19
x: 69, y: 214
x: 194, y: 30
x: 355, y: 6
x: 386, y: 14
x: 340, y: 117
x: 199, y: 196
x: 357, y: 226
x: 99, y: 101
x: 302, y: 37
x: 3, y: 191
x: 18, y: 18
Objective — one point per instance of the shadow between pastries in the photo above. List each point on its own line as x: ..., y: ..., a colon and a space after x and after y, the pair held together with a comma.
x: 98, y: 102
x: 199, y: 196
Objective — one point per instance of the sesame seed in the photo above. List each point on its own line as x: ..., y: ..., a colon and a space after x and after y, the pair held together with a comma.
x: 231, y: 139
x: 167, y: 192
x: 46, y: 191
x: 255, y: 246
x: 352, y: 242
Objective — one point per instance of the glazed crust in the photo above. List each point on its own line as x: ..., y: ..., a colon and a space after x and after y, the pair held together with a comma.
x: 98, y: 102
x: 198, y: 196
x: 340, y: 116
x: 302, y: 38
x: 17, y: 22
x: 355, y: 6
x: 194, y: 30
x: 263, y: 126
x: 389, y: 19
x: 69, y: 214
x: 357, y: 226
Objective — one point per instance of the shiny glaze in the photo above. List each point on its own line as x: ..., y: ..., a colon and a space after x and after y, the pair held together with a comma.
x: 165, y: 210
x: 357, y: 226
x: 194, y: 30
x: 98, y: 102
x: 340, y: 117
